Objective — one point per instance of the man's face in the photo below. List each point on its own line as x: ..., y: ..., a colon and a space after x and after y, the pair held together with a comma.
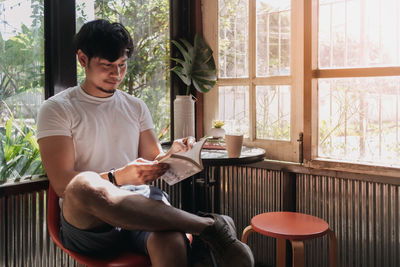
x: 104, y: 75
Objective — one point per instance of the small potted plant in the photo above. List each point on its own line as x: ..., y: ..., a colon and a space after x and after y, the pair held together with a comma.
x: 197, y: 68
x: 217, y: 131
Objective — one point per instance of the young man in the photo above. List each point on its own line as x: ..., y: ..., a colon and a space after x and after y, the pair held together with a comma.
x: 100, y: 151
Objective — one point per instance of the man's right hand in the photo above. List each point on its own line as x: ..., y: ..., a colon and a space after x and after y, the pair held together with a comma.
x: 140, y: 171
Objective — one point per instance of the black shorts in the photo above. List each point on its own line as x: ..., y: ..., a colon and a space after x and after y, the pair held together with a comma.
x: 109, y: 239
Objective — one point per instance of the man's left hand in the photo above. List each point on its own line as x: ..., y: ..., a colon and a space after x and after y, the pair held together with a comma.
x: 183, y: 144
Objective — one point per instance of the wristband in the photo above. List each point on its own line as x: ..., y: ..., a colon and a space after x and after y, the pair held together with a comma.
x: 111, y: 176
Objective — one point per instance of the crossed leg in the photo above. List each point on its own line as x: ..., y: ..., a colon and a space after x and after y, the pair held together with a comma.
x: 91, y: 202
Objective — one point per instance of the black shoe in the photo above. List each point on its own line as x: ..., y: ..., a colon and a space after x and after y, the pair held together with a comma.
x: 201, y: 255
x: 226, y: 248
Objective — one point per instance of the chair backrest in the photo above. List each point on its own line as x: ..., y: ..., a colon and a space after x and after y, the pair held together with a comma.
x: 124, y: 259
x: 53, y: 216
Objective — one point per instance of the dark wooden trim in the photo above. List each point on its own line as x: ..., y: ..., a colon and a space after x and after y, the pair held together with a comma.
x: 198, y: 28
x: 289, y: 191
x: 320, y: 171
x: 60, y: 59
x: 184, y: 23
x: 25, y: 186
x: 199, y: 115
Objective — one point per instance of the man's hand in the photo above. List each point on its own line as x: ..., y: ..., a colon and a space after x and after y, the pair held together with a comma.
x: 183, y: 144
x: 140, y: 171
x: 178, y: 145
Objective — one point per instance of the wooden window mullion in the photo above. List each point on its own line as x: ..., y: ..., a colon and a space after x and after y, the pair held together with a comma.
x: 252, y: 68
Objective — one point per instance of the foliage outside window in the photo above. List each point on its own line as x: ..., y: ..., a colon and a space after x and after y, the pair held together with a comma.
x: 148, y: 75
x: 245, y: 81
x: 346, y: 101
x: 21, y: 86
x: 358, y: 116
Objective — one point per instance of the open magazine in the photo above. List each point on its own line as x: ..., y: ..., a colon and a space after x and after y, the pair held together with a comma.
x: 183, y: 164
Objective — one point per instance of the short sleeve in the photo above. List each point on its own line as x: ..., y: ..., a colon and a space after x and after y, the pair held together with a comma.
x: 146, y: 121
x: 52, y: 120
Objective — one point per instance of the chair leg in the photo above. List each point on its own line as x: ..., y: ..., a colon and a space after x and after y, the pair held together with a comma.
x: 280, y: 252
x: 332, y: 248
x: 298, y: 253
x: 248, y: 230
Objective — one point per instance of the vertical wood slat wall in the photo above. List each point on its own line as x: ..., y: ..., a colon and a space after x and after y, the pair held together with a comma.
x: 24, y: 239
x: 246, y: 192
x: 364, y: 215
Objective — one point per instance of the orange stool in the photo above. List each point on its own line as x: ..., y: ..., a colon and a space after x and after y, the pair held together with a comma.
x: 294, y: 227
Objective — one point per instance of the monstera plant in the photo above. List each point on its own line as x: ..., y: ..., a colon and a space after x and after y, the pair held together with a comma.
x: 197, y: 66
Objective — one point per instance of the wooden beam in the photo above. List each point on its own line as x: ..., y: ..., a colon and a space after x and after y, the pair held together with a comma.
x: 198, y: 26
x: 356, y: 72
x: 307, y: 78
x: 60, y: 59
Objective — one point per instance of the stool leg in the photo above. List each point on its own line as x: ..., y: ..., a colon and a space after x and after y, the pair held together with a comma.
x: 298, y: 253
x: 332, y: 248
x: 248, y: 230
x: 280, y: 252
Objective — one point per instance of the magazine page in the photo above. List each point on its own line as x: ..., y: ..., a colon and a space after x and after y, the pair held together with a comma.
x: 183, y: 164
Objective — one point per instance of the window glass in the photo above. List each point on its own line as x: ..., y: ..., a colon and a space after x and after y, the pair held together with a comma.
x: 234, y: 108
x: 358, y: 33
x: 273, y: 37
x: 273, y: 112
x: 233, y: 38
x: 21, y: 86
x: 147, y: 76
x: 359, y: 119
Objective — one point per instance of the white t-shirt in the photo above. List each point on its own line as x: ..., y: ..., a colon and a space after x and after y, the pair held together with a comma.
x: 105, y: 131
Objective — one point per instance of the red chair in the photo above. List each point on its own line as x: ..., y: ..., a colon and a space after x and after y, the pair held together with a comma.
x: 121, y: 260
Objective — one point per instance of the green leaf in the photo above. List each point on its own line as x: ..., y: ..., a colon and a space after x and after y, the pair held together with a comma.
x: 178, y: 60
x: 19, y: 151
x: 208, y: 75
x: 197, y: 65
x: 9, y: 125
x: 184, y: 52
x: 181, y: 73
x: 30, y: 137
x: 203, y: 85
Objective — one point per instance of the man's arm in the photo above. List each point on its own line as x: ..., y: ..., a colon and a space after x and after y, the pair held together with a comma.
x: 58, y: 159
x: 149, y: 147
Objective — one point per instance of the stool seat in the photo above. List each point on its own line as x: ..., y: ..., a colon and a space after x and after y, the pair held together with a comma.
x: 294, y: 227
x: 289, y: 225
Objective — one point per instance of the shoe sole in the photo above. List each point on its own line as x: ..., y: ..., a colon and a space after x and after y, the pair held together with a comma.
x: 230, y: 223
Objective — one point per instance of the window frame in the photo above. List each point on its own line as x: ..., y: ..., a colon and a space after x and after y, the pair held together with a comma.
x: 311, y: 75
x: 288, y: 150
x: 59, y: 54
x: 305, y: 74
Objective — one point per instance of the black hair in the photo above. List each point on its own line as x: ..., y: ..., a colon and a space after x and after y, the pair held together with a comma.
x: 101, y: 38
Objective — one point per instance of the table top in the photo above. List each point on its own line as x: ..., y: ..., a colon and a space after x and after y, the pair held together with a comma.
x: 248, y: 155
x: 289, y: 225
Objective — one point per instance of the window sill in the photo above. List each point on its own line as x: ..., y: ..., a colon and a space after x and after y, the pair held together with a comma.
x: 368, y: 173
x: 28, y: 184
